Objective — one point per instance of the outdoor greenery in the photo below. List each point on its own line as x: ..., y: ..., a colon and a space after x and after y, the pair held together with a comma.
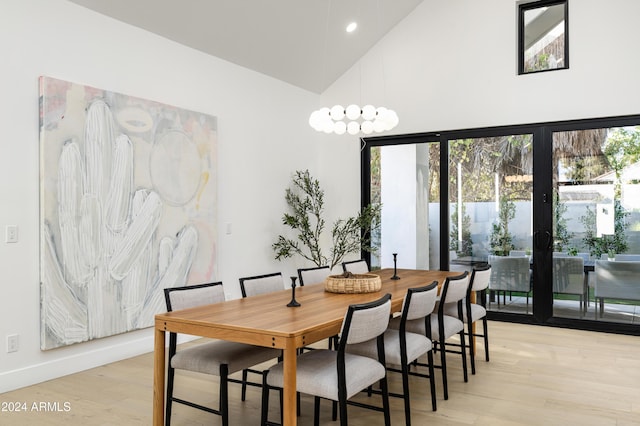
x: 305, y: 219
x: 561, y: 235
x: 616, y: 243
x: 501, y: 240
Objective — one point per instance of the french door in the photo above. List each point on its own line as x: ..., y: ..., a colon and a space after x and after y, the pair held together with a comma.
x: 540, y: 203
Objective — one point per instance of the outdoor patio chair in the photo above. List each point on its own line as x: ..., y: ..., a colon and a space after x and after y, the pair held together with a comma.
x: 568, y: 278
x: 616, y: 280
x: 510, y: 274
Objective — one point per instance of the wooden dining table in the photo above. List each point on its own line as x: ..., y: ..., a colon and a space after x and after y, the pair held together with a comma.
x: 265, y: 320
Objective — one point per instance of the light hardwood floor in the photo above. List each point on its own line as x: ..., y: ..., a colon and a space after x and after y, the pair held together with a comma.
x: 536, y: 376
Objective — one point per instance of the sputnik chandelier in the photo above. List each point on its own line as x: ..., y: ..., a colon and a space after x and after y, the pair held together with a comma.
x: 353, y: 119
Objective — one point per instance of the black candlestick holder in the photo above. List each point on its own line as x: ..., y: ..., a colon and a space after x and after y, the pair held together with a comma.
x: 293, y: 303
x: 395, y: 269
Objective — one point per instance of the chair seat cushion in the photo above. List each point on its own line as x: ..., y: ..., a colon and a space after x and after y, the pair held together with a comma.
x: 207, y: 357
x: 477, y: 311
x: 417, y: 345
x: 317, y: 373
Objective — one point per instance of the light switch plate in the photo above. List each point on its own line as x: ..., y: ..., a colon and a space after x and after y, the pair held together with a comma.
x: 11, y: 234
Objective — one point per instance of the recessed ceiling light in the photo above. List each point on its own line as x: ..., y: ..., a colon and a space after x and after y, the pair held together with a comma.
x: 352, y: 27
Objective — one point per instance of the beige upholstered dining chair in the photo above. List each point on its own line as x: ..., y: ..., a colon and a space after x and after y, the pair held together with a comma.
x: 356, y: 266
x: 314, y: 275
x: 478, y: 284
x: 402, y: 348
x: 217, y: 358
x: 261, y: 284
x: 338, y: 375
x: 443, y: 326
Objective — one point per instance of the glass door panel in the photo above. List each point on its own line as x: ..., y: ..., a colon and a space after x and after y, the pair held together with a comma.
x: 490, y: 206
x: 596, y: 212
x: 405, y: 180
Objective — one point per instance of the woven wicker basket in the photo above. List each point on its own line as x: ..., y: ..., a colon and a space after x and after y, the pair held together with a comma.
x: 352, y: 283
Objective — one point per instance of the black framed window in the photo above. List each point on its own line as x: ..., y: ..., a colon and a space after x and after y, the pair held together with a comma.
x: 543, y: 36
x: 583, y: 171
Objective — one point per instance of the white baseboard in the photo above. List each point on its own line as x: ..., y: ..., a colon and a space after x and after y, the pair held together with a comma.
x: 102, y: 351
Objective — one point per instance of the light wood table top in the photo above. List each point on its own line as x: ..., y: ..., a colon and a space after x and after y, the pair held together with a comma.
x: 265, y: 320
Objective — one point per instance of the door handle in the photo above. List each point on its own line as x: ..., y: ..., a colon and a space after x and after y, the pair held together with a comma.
x: 543, y: 240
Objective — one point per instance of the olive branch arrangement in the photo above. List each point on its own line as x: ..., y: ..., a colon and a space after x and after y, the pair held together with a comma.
x: 306, y: 203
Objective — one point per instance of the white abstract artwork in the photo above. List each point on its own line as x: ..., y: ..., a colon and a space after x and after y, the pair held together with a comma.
x: 128, y: 208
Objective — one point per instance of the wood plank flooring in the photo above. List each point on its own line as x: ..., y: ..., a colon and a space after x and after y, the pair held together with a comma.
x: 536, y: 376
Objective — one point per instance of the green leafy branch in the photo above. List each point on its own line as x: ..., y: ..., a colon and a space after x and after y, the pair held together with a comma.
x: 306, y: 203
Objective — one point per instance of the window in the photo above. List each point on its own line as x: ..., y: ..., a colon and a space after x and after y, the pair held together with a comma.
x: 543, y: 42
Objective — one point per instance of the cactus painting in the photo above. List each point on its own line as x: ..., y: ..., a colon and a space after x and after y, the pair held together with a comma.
x: 128, y: 193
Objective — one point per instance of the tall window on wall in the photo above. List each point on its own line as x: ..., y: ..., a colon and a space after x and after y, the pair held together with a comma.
x: 543, y: 36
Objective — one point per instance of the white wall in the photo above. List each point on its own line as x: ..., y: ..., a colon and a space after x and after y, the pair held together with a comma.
x: 263, y: 137
x: 453, y: 65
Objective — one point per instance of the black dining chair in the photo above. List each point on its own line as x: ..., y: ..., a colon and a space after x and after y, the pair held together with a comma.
x: 218, y: 358
x: 338, y: 375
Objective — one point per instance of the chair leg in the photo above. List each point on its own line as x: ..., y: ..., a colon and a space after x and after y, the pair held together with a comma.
x: 405, y: 393
x: 316, y: 411
x: 244, y: 384
x: 485, y: 330
x: 432, y: 380
x: 443, y: 363
x: 472, y: 345
x: 342, y: 406
x: 224, y: 394
x: 170, y: 376
x: 385, y: 401
x: 464, y: 355
x: 264, y: 412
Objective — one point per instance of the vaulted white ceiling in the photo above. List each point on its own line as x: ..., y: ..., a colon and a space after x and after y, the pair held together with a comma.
x: 302, y: 42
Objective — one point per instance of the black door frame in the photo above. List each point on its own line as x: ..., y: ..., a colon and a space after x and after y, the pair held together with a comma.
x: 541, y: 209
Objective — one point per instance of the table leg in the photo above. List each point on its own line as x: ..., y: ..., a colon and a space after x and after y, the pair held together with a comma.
x: 289, y: 390
x: 158, y: 378
x: 473, y: 324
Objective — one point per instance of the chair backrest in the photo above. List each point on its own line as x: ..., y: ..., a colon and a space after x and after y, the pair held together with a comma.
x: 356, y: 266
x: 617, y: 279
x: 480, y: 277
x: 365, y: 321
x: 191, y: 296
x: 510, y: 273
x: 261, y: 284
x: 315, y: 275
x: 568, y: 273
x: 454, y: 289
x: 419, y: 302
x: 628, y: 257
